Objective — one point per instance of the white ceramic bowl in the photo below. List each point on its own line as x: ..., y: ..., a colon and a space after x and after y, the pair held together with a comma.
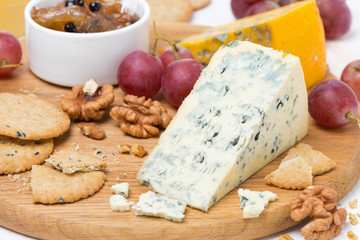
x: 70, y: 59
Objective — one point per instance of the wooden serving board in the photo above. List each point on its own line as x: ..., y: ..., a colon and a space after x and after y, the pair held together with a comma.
x: 93, y: 218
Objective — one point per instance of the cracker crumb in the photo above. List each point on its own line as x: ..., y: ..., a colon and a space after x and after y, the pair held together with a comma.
x: 351, y: 235
x: 100, y: 154
x: 125, y: 174
x: 13, y: 178
x: 353, y: 219
x: 353, y: 204
x: 118, y: 179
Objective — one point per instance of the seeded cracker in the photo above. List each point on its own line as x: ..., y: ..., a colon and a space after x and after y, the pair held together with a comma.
x: 19, y: 155
x: 318, y: 161
x: 70, y: 161
x: 30, y: 118
x: 292, y: 174
x: 170, y: 10
x: 50, y: 186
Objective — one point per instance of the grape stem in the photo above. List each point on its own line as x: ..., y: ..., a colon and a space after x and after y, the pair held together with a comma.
x: 351, y: 116
x: 172, y: 43
x: 5, y: 64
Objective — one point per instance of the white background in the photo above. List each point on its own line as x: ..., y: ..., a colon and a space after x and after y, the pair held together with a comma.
x: 339, y: 54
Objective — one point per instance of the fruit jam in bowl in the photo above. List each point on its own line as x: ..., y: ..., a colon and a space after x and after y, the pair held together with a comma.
x: 70, y: 42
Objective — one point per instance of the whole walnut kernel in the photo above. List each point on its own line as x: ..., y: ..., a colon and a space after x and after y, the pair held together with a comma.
x: 81, y: 106
x: 140, y: 117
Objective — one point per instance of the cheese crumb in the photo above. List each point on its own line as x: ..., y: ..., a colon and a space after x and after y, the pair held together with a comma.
x: 121, y: 189
x: 90, y: 87
x: 120, y: 204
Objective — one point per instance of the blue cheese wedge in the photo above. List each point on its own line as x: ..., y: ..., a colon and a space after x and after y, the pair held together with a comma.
x: 121, y: 189
x: 248, y: 106
x: 156, y: 205
x: 253, y: 202
x: 119, y: 203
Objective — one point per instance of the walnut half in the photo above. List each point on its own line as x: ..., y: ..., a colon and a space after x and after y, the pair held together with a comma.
x: 317, y: 202
x: 140, y: 117
x: 87, y: 104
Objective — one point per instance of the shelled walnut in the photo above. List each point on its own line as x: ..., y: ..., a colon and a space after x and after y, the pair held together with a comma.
x: 140, y: 117
x: 317, y: 202
x: 92, y: 131
x: 88, y: 102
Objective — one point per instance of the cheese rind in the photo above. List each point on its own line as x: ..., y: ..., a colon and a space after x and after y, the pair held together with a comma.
x: 254, y: 202
x: 248, y: 106
x: 296, y: 28
x: 156, y: 205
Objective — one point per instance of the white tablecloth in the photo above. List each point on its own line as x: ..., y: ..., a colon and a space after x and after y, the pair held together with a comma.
x: 339, y: 54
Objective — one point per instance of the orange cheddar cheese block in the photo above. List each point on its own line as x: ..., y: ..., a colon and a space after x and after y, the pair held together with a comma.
x: 295, y: 28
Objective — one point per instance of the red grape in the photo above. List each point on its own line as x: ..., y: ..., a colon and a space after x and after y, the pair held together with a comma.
x: 261, y: 7
x: 168, y: 56
x: 10, y: 52
x: 330, y: 102
x: 351, y: 76
x: 179, y: 79
x: 336, y: 17
x: 287, y: 2
x: 140, y: 74
x: 239, y: 7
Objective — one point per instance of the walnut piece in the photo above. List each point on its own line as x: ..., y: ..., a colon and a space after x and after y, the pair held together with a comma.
x: 91, y: 130
x: 138, y: 150
x: 353, y: 219
x: 286, y: 237
x: 88, y: 106
x: 317, y: 202
x: 140, y: 117
x: 351, y: 235
x: 124, y: 148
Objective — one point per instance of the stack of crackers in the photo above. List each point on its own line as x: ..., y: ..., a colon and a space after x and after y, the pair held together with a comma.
x: 27, y: 128
x: 174, y: 11
x: 297, y: 169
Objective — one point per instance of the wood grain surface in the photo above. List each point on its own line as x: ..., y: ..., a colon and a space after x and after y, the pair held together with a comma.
x: 92, y: 217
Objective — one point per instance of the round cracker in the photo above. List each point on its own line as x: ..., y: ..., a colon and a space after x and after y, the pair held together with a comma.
x: 19, y: 155
x: 170, y: 10
x: 198, y: 4
x: 50, y: 186
x: 30, y: 118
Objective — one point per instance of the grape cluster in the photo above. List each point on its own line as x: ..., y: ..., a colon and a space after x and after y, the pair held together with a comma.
x: 335, y: 14
x: 143, y: 74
